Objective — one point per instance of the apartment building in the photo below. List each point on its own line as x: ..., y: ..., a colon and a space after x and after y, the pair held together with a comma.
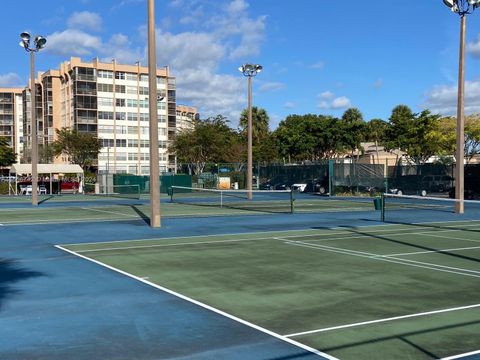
x: 11, y: 121
x: 186, y: 117
x: 110, y: 100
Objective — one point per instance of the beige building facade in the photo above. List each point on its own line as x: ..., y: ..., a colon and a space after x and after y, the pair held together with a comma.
x: 111, y: 101
x: 11, y: 118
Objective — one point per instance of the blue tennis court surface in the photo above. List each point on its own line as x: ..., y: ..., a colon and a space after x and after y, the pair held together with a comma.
x: 59, y: 305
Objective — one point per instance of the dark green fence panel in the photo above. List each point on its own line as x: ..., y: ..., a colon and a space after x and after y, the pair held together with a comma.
x: 144, y: 181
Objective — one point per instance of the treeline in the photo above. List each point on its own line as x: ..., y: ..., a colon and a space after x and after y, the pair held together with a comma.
x: 315, y: 137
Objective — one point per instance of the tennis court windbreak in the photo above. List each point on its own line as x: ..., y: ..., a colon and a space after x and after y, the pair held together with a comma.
x: 280, y: 201
x: 131, y: 191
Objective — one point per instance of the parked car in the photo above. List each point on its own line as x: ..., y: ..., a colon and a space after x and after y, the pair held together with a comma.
x: 276, y: 183
x: 407, y: 185
x: 420, y: 185
x: 437, y: 183
x: 471, y: 183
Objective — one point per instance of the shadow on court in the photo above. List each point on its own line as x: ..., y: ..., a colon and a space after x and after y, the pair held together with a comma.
x: 11, y: 273
x: 404, y: 338
x: 416, y: 246
x: 141, y: 214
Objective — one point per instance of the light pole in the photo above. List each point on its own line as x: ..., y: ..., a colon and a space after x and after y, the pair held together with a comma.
x: 249, y: 70
x: 462, y: 8
x: 153, y: 109
x: 39, y: 42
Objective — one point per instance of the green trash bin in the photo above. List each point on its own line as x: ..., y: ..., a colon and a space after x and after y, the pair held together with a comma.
x: 377, y: 203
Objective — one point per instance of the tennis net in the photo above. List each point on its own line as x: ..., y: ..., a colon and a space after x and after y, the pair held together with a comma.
x: 270, y: 201
x: 116, y: 191
x: 411, y: 209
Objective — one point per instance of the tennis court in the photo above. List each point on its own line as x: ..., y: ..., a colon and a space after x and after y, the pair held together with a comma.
x: 329, y: 280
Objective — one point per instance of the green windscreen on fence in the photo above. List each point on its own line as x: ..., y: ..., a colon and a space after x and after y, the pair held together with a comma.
x: 143, y: 182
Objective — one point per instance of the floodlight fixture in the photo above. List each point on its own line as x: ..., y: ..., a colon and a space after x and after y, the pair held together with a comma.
x: 40, y: 42
x: 25, y: 36
x: 250, y: 69
x: 462, y: 7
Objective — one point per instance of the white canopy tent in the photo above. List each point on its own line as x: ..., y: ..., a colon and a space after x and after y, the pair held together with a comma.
x: 46, y: 169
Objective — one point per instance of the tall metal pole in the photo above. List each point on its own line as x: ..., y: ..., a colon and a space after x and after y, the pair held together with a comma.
x: 249, y: 141
x: 152, y: 82
x: 459, y: 173
x: 33, y: 130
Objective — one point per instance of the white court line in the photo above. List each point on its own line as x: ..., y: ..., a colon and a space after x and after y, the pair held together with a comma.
x: 400, y: 261
x: 430, y: 251
x: 110, y: 212
x: 459, y: 356
x: 283, y: 238
x: 203, y: 305
x: 343, y: 231
x: 383, y: 320
x: 450, y: 237
x: 170, y: 245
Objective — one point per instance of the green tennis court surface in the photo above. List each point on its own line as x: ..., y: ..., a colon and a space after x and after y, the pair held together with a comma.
x: 386, y: 292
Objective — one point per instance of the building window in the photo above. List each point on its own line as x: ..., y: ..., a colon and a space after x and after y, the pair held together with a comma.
x: 120, y: 89
x: 105, y: 87
x: 121, y: 143
x: 105, y: 115
x: 105, y: 102
x: 119, y: 75
x: 131, y: 76
x: 105, y: 129
x: 105, y: 74
x: 120, y: 102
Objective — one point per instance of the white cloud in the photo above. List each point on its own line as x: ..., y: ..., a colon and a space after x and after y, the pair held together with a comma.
x: 318, y: 65
x: 272, y: 86
x: 328, y: 101
x: 73, y: 42
x: 85, y: 20
x: 327, y: 95
x: 341, y: 103
x: 289, y: 105
x: 378, y: 83
x: 10, y: 80
x: 237, y: 7
x: 189, y: 50
x: 474, y: 47
x: 442, y: 99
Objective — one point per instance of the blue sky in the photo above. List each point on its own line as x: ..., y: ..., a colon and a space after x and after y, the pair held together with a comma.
x: 318, y: 56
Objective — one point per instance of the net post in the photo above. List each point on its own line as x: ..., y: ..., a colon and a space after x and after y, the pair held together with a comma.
x: 170, y: 189
x: 221, y: 198
x: 382, y: 208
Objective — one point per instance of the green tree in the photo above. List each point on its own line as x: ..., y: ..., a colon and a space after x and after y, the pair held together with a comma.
x: 413, y: 134
x: 472, y: 137
x: 260, y: 124
x: 375, y: 131
x: 209, y: 141
x: 264, y: 145
x: 7, y: 155
x: 352, y: 126
x: 81, y: 148
x: 309, y: 137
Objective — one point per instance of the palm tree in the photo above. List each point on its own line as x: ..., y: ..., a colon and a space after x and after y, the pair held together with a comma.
x: 260, y: 122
